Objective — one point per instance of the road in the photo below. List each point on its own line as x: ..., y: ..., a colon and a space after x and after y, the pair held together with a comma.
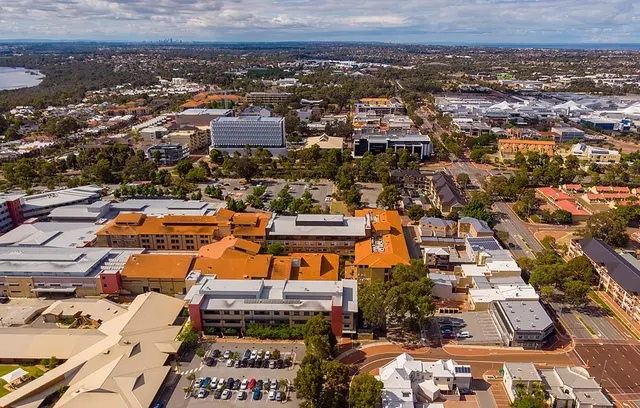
x: 527, y: 244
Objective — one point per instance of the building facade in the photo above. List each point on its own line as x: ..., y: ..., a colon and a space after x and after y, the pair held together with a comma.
x: 444, y: 194
x: 619, y: 273
x: 224, y: 304
x: 420, y: 145
x: 507, y: 148
x: 170, y: 153
x: 253, y: 131
x: 318, y: 233
x: 201, y: 117
x: 268, y: 98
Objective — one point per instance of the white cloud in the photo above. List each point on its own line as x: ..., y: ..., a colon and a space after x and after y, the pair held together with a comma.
x: 263, y: 20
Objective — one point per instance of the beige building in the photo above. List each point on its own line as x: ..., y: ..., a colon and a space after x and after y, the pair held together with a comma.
x: 196, y: 139
x: 507, y: 148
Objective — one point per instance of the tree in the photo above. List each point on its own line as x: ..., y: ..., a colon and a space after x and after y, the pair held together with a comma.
x: 415, y: 213
x: 562, y: 217
x: 353, y: 197
x: 575, y: 292
x: 528, y: 401
x: 365, y: 391
x: 200, y: 352
x: 309, y: 380
x: 477, y: 209
x: 388, y: 197
x: 372, y: 303
x: 546, y: 293
x: 276, y: 249
x: 318, y: 326
x: 196, y: 175
x: 245, y: 167
x: 607, y: 226
x: 463, y: 180
x: 183, y: 167
x: 53, y: 363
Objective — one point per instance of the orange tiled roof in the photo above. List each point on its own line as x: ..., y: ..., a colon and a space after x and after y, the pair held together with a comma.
x: 554, y: 194
x: 573, y: 186
x: 393, y: 249
x: 217, y: 249
x: 571, y: 207
x: 611, y: 189
x: 316, y: 266
x: 157, y: 266
x: 181, y: 225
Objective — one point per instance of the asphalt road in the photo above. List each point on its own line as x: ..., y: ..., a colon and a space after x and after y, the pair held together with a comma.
x: 518, y: 232
x: 615, y: 366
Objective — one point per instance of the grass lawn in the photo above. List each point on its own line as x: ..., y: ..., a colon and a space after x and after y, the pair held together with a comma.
x: 6, y: 369
x: 339, y: 207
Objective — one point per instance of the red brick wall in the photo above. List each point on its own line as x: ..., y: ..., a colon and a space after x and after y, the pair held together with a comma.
x: 196, y: 316
x: 336, y: 320
x: 111, y: 283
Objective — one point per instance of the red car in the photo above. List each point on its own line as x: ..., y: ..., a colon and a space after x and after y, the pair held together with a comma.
x: 448, y: 336
x: 252, y: 383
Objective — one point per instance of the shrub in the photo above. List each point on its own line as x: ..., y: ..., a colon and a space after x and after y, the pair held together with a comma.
x: 230, y: 332
x: 263, y: 332
x: 210, y: 331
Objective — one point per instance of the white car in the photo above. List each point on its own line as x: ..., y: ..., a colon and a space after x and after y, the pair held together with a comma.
x: 242, y: 395
x: 463, y: 335
x: 203, y: 393
x: 254, y: 354
x: 226, y: 354
x: 214, y: 382
x: 221, y: 383
x: 267, y: 355
x: 199, y: 381
x: 272, y: 395
x: 226, y: 394
x: 244, y: 384
x: 274, y: 384
x: 229, y: 363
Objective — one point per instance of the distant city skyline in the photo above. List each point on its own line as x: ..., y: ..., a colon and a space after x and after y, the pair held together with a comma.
x: 470, y: 22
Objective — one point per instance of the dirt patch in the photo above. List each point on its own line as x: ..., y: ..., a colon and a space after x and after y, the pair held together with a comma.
x: 561, y: 237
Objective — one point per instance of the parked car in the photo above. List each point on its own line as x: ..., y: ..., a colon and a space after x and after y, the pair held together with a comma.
x: 226, y: 394
x: 242, y: 395
x: 267, y: 355
x: 287, y: 363
x: 254, y: 354
x: 272, y: 395
x: 199, y: 381
x: 210, y: 361
x: 203, y: 393
x: 229, y: 363
x: 458, y: 324
x: 274, y: 384
x: 265, y: 363
x: 279, y: 363
x: 465, y: 391
x: 252, y: 363
x: 444, y: 321
x: 247, y: 354
x: 237, y: 364
x: 258, y: 362
x: 205, y: 382
x: 244, y: 384
x: 229, y: 382
x: 221, y: 383
x: 252, y: 383
x: 244, y: 362
x: 272, y: 364
x: 448, y: 336
x: 463, y: 335
x: 446, y: 331
x: 217, y: 394
x: 259, y: 384
x: 215, y: 353
x: 236, y: 384
x: 226, y: 354
x: 279, y: 396
x: 214, y: 382
x: 256, y: 395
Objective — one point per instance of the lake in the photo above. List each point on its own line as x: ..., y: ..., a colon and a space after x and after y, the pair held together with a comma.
x: 14, y: 78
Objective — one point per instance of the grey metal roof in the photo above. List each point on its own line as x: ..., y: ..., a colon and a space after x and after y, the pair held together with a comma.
x: 300, y: 225
x: 623, y: 272
x: 478, y: 225
x: 447, y: 190
x: 526, y: 315
x: 522, y: 371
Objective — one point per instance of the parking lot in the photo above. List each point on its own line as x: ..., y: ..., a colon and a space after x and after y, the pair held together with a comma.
x: 239, y: 191
x: 217, y: 368
x: 479, y: 325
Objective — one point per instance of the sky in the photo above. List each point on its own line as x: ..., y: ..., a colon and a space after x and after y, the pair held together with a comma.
x: 402, y: 21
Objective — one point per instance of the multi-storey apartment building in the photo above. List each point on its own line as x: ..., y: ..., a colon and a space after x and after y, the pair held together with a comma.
x: 507, y: 148
x: 235, y: 133
x: 268, y: 98
x: 444, y: 194
x: 318, y: 233
x: 223, y: 304
x: 417, y: 144
x: 180, y: 232
x: 619, y: 273
x: 380, y: 106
